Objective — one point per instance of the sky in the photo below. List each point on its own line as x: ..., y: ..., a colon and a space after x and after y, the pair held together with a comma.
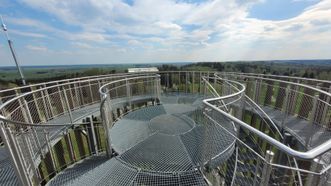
x: 60, y: 32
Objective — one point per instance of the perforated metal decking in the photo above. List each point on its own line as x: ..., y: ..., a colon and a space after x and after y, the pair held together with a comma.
x: 160, y: 145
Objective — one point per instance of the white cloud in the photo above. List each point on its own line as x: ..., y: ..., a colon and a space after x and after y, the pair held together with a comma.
x: 81, y: 45
x: 36, y: 48
x: 169, y: 26
x: 27, y: 34
x: 87, y: 36
x: 178, y: 30
x: 133, y: 42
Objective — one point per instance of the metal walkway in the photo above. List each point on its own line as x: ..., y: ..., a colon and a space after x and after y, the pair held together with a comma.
x: 7, y: 173
x: 104, y: 170
x: 157, y: 145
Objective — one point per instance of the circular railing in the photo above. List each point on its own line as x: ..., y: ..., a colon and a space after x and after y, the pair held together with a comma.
x: 44, y: 134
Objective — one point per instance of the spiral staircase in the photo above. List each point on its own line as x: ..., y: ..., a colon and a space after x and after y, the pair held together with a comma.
x: 170, y: 128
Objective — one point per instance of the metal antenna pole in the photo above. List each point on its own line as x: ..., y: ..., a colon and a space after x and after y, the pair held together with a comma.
x: 10, y: 43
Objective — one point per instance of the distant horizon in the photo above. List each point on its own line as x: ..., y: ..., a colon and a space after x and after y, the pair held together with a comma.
x: 177, y: 62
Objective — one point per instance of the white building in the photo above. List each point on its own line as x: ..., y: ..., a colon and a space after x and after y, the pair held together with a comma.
x: 150, y: 69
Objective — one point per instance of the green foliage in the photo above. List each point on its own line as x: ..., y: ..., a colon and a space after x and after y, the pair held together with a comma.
x: 10, y: 78
x: 267, y: 67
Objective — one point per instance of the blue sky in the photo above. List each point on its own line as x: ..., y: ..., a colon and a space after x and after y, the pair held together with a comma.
x: 144, y: 31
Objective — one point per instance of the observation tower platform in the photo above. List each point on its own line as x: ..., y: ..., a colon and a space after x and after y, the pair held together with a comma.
x: 167, y: 128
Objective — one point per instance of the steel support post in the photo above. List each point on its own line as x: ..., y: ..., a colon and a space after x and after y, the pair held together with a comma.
x: 205, y: 91
x: 107, y: 121
x: 325, y: 110
x: 99, y: 85
x: 35, y: 136
x: 37, y: 105
x: 200, y: 79
x: 186, y: 82
x: 50, y: 150
x: 215, y: 80
x: 314, y: 110
x: 128, y: 91
x: 27, y: 112
x: 224, y: 89
x: 257, y: 91
x: 155, y: 91
x: 21, y: 154
x: 193, y: 81
x: 71, y: 149
x: 77, y: 95
x: 179, y: 82
x: 22, y: 106
x: 71, y: 96
x: 294, y: 97
x: 30, y: 120
x: 267, y: 168
x: 90, y: 88
x: 49, y: 103
x: 27, y: 145
x: 61, y: 97
x: 45, y: 106
x: 66, y: 101
x: 167, y: 81
x: 316, y: 179
x: 241, y: 109
x: 286, y: 106
x: 159, y: 89
x: 81, y: 95
x: 258, y: 163
x: 94, y: 137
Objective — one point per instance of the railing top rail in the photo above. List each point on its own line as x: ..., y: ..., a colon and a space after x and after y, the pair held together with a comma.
x: 310, y: 154
x: 106, y: 75
x: 290, y: 83
x: 126, y: 79
x: 2, y: 118
x: 256, y: 105
x: 60, y: 85
x: 70, y: 80
x: 282, y: 76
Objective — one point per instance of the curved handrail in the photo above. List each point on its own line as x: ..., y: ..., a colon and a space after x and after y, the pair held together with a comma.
x: 303, y: 155
x: 70, y: 80
x: 256, y: 105
x: 2, y: 118
x: 281, y: 76
x: 310, y: 154
x: 290, y: 83
x: 126, y: 79
x: 104, y: 95
x: 54, y: 86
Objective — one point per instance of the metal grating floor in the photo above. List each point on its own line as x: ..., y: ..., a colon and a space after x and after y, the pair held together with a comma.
x: 7, y: 173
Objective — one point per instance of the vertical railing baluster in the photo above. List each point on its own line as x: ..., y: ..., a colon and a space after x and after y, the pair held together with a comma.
x: 326, y: 108
x: 94, y: 137
x: 29, y: 153
x: 267, y: 168
x: 61, y: 97
x: 66, y: 103
x: 50, y: 150
x: 91, y: 93
x: 7, y: 138
x: 314, y: 110
x: 50, y: 105
x: 317, y: 179
x: 286, y: 105
x: 106, y: 121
